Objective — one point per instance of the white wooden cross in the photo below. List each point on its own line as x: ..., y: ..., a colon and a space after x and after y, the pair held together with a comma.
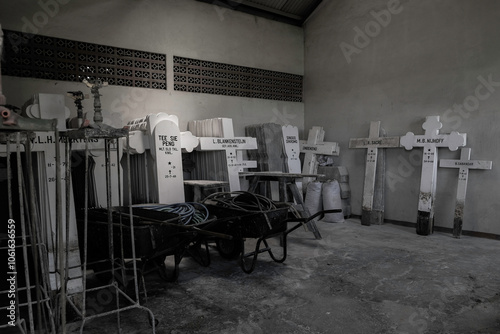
x: 464, y: 164
x: 231, y: 145
x: 315, y: 146
x: 292, y: 150
x: 430, y: 142
x: 371, y: 215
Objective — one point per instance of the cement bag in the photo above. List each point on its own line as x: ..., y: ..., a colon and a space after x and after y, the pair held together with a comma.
x: 332, y: 200
x: 313, y: 201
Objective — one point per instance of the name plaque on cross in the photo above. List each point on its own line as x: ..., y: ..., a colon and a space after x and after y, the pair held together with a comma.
x: 219, y: 144
x: 373, y: 191
x: 321, y: 148
x: 464, y: 164
x: 430, y: 141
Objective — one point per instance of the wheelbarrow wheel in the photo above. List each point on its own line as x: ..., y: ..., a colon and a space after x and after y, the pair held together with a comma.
x: 170, y: 272
x: 229, y: 249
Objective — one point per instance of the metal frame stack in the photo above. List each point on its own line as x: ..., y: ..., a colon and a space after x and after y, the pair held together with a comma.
x: 34, y: 295
x: 79, y: 302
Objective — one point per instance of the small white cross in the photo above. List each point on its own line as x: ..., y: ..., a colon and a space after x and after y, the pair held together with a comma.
x: 464, y: 164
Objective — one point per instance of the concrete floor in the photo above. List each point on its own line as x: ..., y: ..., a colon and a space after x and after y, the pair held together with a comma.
x: 357, y: 279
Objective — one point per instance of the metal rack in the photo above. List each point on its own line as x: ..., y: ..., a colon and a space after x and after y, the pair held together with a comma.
x: 30, y: 303
x: 118, y: 265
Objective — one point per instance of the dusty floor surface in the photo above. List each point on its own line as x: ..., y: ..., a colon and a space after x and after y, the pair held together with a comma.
x: 357, y: 279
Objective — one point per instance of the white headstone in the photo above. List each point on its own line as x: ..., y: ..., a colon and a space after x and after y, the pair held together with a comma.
x: 430, y: 142
x: 464, y: 164
x: 160, y: 134
x: 166, y: 153
x: 292, y: 149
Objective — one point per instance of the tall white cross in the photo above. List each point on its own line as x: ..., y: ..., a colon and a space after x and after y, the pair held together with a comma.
x: 464, y: 164
x: 313, y: 147
x: 232, y: 146
x: 371, y: 215
x: 430, y: 142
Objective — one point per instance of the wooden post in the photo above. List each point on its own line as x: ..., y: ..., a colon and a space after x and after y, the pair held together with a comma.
x: 430, y: 141
x: 464, y: 164
x: 371, y: 215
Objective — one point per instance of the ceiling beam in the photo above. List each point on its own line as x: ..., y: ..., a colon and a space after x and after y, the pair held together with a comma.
x: 258, y: 10
x: 271, y: 10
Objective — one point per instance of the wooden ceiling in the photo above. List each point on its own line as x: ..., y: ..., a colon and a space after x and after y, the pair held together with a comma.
x: 293, y: 12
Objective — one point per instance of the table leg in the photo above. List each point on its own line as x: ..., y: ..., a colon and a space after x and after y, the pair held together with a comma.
x: 311, y: 225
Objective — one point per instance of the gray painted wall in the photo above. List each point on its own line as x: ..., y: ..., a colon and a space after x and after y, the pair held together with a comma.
x: 426, y: 57
x: 430, y: 56
x: 175, y: 27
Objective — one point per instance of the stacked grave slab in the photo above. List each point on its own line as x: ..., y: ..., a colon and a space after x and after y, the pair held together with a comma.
x: 270, y: 154
x: 340, y: 174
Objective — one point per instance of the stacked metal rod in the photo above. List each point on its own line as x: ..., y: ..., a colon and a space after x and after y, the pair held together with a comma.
x: 26, y: 298
x: 123, y: 271
x: 29, y: 305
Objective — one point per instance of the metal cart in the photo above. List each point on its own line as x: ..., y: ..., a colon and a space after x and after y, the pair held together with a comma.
x: 261, y: 225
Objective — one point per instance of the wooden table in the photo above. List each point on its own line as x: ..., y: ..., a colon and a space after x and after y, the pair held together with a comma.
x: 200, y: 185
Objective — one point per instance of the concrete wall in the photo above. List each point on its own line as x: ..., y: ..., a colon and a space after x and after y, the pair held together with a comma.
x: 175, y: 27
x: 419, y: 58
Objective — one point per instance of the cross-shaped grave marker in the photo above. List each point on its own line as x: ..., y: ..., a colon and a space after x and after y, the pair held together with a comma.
x: 233, y: 146
x: 292, y: 149
x: 373, y: 191
x: 464, y: 164
x: 160, y: 134
x: 315, y: 146
x: 430, y: 141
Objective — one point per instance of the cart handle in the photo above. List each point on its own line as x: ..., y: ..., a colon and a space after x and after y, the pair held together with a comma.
x: 150, y: 221
x: 302, y: 221
x: 308, y: 219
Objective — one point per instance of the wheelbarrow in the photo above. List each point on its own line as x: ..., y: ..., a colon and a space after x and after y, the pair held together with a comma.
x: 156, y: 235
x: 261, y: 225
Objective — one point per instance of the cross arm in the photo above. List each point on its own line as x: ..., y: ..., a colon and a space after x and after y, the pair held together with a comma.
x: 380, y: 142
x: 470, y: 164
x: 325, y: 148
